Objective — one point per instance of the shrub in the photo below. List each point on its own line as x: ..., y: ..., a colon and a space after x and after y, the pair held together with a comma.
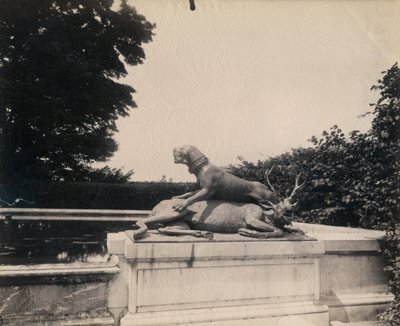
x: 353, y: 180
x: 137, y: 195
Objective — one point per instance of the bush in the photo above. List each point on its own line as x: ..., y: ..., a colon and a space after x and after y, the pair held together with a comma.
x: 137, y: 195
x: 352, y: 180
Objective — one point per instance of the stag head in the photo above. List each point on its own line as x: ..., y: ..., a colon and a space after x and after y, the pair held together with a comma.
x: 286, y: 204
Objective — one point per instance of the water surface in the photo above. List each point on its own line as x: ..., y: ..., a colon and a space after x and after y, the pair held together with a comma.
x: 34, y: 242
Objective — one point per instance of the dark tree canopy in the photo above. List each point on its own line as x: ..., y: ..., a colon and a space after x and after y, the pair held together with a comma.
x: 59, y: 98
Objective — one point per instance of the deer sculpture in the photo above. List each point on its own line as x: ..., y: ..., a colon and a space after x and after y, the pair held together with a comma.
x: 224, y: 203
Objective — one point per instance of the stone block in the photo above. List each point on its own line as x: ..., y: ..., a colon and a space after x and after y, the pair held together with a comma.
x: 172, y: 280
x: 116, y: 243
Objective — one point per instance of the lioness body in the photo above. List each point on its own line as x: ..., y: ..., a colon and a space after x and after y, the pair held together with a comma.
x: 216, y: 183
x: 225, y: 186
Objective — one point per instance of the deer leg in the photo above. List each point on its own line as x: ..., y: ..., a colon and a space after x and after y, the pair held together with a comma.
x: 293, y: 229
x: 160, y: 218
x: 261, y: 229
x: 181, y: 228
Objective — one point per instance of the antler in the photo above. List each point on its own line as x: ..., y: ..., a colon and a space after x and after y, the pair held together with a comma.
x: 296, y: 183
x: 269, y: 183
x: 284, y: 204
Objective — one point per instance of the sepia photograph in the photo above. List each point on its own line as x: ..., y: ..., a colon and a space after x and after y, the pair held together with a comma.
x: 200, y: 162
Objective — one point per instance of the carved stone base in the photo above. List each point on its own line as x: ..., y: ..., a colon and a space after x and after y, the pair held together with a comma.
x: 178, y: 281
x: 234, y: 280
x: 306, y: 313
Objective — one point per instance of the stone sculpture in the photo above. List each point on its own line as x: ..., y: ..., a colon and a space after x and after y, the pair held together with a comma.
x: 224, y: 203
x: 202, y: 218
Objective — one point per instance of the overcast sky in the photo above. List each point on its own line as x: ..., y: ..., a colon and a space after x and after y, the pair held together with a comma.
x: 251, y: 77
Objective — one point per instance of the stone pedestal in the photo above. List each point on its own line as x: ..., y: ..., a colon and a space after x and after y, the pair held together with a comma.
x: 231, y: 280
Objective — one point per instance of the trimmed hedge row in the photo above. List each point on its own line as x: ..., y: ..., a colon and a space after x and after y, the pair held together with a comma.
x: 136, y: 195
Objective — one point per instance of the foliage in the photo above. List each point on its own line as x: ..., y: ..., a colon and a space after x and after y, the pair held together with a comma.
x: 59, y: 98
x: 353, y: 180
x: 106, y: 175
x: 86, y: 195
x: 386, y: 133
x: 391, y: 317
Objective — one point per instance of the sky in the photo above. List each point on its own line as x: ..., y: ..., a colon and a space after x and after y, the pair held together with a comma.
x: 251, y: 78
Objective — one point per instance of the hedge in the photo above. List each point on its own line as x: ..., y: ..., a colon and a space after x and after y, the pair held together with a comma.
x: 136, y: 195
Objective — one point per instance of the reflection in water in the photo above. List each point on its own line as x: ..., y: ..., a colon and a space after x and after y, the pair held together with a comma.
x: 34, y: 242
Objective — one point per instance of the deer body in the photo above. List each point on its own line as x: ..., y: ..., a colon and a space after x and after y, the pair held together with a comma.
x: 209, y: 216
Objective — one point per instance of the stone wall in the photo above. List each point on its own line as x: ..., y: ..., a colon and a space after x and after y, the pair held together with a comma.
x: 353, y: 283
x: 335, y: 276
x: 60, y: 294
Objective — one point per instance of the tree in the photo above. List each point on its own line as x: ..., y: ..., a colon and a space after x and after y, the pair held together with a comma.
x: 59, y: 96
x: 385, y: 132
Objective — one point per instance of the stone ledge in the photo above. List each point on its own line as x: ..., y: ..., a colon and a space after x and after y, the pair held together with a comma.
x: 358, y: 323
x: 225, y: 251
x: 102, y: 321
x: 58, y: 273
x: 358, y: 232
x: 357, y: 299
x: 239, y: 315
x: 344, y: 240
x: 47, y: 214
x: 357, y: 307
x: 226, y: 247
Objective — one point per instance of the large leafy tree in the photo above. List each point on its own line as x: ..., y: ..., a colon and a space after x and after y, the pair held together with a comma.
x: 59, y: 96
